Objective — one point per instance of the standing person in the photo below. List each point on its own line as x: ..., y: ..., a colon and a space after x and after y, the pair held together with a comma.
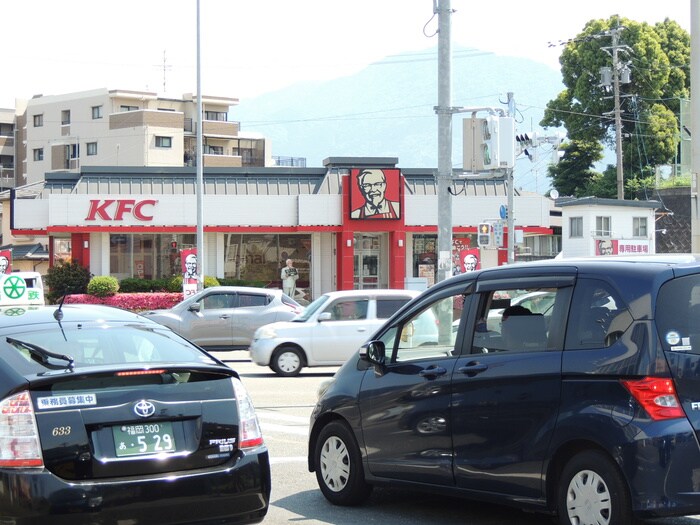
x: 289, y: 278
x: 372, y: 185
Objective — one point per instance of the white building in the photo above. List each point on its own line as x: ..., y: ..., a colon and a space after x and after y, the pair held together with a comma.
x: 593, y: 226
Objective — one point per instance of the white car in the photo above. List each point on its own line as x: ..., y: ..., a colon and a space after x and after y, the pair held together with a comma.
x: 328, y: 332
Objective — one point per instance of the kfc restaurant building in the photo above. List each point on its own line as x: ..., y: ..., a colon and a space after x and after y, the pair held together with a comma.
x: 354, y: 223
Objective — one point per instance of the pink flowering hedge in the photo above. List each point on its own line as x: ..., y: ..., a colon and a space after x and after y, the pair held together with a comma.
x: 136, y: 302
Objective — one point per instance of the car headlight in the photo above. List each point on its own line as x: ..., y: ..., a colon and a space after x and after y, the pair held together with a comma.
x: 265, y: 332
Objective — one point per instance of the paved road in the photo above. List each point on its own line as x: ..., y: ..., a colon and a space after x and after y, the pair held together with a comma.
x: 284, y: 406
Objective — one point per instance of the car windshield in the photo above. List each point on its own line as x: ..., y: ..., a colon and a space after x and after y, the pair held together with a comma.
x: 95, y: 344
x: 311, y: 309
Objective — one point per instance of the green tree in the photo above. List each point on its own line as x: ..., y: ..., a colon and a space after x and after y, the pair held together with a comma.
x: 658, y: 58
x: 66, y: 278
x: 573, y: 173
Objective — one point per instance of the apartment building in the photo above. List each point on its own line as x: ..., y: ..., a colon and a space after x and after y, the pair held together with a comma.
x: 7, y: 148
x: 105, y: 127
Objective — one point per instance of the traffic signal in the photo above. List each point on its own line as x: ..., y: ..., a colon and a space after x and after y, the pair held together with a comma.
x: 484, y: 237
x: 488, y: 143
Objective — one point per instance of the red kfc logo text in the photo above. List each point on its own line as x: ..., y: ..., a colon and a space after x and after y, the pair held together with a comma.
x: 116, y: 209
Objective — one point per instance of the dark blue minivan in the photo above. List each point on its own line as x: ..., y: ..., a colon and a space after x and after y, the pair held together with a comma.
x: 568, y: 387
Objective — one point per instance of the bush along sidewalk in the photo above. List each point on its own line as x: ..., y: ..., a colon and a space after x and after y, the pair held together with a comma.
x: 135, y: 302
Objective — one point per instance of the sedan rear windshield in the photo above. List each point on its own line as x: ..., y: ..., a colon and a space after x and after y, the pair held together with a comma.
x: 37, y: 349
x: 678, y: 314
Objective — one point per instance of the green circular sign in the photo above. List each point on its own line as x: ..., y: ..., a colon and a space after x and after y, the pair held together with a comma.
x: 14, y: 287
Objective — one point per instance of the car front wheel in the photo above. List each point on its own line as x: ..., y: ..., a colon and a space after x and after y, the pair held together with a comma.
x: 339, y: 469
x: 286, y: 362
x: 593, y: 492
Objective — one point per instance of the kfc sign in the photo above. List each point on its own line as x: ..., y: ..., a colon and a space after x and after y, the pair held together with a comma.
x: 118, y: 209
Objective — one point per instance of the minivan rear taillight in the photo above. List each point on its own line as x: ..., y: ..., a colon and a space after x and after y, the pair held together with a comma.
x: 19, y: 437
x: 657, y: 395
x: 249, y: 433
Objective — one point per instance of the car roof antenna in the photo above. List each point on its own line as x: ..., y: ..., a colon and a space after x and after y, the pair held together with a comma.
x: 58, y: 313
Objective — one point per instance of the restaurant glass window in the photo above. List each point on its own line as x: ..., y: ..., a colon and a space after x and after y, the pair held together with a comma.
x: 147, y: 256
x: 258, y: 259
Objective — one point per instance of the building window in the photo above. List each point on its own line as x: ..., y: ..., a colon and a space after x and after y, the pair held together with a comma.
x: 38, y: 154
x: 96, y: 112
x: 602, y: 227
x: 92, y: 148
x: 128, y: 108
x: 214, y: 150
x: 65, y: 117
x: 72, y: 151
x: 639, y: 226
x: 164, y: 142
x: 575, y: 227
x: 215, y: 115
x: 38, y: 120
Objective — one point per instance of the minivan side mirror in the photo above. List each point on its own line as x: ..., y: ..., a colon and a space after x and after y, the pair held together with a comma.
x: 195, y: 307
x: 374, y: 352
x: 325, y: 316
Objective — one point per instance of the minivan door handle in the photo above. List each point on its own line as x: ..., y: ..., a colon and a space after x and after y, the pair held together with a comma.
x: 473, y: 368
x: 432, y: 371
x: 224, y: 316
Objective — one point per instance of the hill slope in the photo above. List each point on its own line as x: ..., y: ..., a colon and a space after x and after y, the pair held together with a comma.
x: 387, y: 109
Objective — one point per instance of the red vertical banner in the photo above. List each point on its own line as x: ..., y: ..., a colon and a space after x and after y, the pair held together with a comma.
x: 5, y: 261
x: 190, y: 271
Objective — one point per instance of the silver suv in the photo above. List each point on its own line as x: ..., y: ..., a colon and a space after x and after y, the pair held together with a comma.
x: 225, y: 317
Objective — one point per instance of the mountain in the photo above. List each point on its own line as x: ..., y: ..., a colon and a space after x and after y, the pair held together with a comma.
x: 387, y: 109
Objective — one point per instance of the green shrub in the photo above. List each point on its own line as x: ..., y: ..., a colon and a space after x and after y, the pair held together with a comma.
x: 134, y: 285
x: 66, y: 278
x: 243, y: 282
x: 210, y: 281
x: 131, y: 285
x: 175, y: 283
x: 103, y: 286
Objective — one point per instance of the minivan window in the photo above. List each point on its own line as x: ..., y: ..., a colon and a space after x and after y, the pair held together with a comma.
x: 429, y: 333
x: 519, y: 320
x: 678, y: 314
x: 598, y: 317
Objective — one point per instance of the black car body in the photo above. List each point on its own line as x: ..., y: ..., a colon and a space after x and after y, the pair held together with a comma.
x: 590, y: 411
x: 107, y: 417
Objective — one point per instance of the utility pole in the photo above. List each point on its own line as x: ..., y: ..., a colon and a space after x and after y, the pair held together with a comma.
x: 694, y: 125
x: 444, y: 113
x: 618, y: 118
x: 200, y: 166
x: 510, y: 220
x: 616, y: 68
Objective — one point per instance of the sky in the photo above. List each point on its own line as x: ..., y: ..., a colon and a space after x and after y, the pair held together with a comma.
x: 249, y: 48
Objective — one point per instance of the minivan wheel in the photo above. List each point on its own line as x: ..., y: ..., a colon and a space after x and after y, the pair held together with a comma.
x: 592, y: 492
x: 286, y: 362
x: 339, y: 469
